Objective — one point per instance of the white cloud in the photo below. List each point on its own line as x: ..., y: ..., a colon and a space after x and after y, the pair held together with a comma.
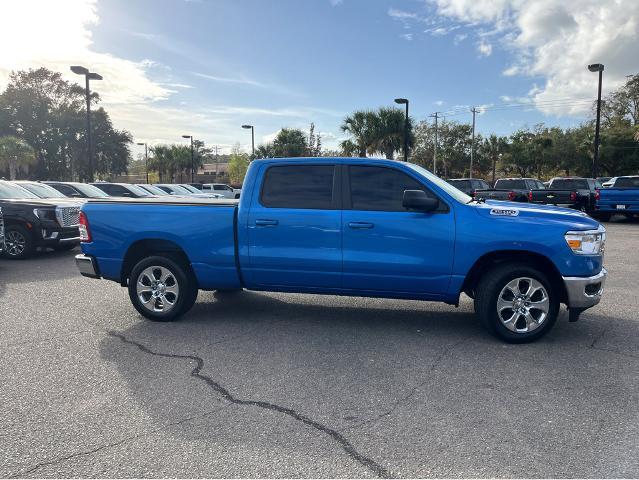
x: 484, y: 48
x: 59, y: 36
x: 335, y: 3
x: 439, y: 103
x: 240, y: 80
x: 402, y: 14
x: 407, y: 36
x: 557, y: 40
x: 460, y: 37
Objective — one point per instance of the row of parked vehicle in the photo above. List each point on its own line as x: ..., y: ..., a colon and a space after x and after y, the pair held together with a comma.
x: 617, y: 195
x: 46, y: 214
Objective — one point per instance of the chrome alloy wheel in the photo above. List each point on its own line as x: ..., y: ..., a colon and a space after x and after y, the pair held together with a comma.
x: 523, y: 305
x: 14, y: 243
x: 157, y: 289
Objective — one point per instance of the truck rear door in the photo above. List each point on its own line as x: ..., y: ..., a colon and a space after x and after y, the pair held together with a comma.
x: 387, y: 248
x: 294, y: 228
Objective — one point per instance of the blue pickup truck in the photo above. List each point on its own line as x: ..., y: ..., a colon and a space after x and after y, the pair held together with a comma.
x: 350, y: 226
x: 622, y: 197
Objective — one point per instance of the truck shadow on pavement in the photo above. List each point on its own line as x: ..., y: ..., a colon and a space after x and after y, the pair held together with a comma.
x: 249, y: 370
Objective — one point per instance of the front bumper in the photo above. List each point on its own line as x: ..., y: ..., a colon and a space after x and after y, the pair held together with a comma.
x: 52, y: 236
x: 585, y: 292
x: 87, y: 265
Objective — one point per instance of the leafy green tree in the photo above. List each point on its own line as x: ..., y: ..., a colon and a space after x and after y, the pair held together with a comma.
x: 493, y: 148
x: 49, y: 114
x: 290, y: 142
x: 238, y: 164
x: 387, y: 135
x: 265, y: 151
x: 360, y: 126
x: 15, y: 156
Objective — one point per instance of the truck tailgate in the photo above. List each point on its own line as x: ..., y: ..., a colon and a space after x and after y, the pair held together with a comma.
x: 203, y: 229
x: 618, y: 199
x: 554, y: 197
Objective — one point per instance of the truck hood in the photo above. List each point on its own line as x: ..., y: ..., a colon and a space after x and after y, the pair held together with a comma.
x: 535, y: 213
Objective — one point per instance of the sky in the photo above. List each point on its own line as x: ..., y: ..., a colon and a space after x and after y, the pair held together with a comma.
x: 204, y: 68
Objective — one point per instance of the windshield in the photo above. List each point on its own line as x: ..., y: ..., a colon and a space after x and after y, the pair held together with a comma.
x: 627, y: 182
x: 177, y: 189
x: 569, y: 184
x: 90, y: 190
x: 190, y: 188
x: 8, y: 190
x: 506, y: 184
x: 154, y: 190
x: 138, y: 191
x: 443, y: 184
x: 42, y: 190
x: 459, y: 183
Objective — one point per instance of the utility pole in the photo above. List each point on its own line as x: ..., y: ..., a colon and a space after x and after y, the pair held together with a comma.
x: 472, y: 144
x: 216, y: 161
x: 436, y: 116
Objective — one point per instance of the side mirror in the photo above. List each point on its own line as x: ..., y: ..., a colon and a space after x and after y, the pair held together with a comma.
x: 418, y: 200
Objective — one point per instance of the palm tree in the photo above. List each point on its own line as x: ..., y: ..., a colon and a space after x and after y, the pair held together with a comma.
x: 495, y: 147
x: 360, y: 125
x: 15, y: 154
x: 388, y: 131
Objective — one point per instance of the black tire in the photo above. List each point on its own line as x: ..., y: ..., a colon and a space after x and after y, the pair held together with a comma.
x: 161, y: 309
x: 65, y: 247
x: 18, y: 243
x: 496, y: 281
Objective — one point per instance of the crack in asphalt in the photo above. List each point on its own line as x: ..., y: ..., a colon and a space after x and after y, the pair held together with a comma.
x: 336, y: 436
x: 64, y: 458
x: 401, y: 401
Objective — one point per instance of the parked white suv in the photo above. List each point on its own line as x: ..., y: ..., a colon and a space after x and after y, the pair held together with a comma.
x: 222, y: 189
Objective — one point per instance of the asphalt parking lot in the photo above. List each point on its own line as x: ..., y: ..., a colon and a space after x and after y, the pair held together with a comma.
x: 284, y: 385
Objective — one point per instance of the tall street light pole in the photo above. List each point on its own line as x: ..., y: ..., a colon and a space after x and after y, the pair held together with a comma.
x: 252, y: 138
x: 472, y: 144
x: 77, y: 69
x: 597, y: 67
x: 436, y: 115
x: 404, y: 101
x: 146, y: 159
x: 192, y: 171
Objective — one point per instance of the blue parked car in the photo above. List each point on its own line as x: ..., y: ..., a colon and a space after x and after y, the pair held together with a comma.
x: 349, y: 226
x: 621, y: 197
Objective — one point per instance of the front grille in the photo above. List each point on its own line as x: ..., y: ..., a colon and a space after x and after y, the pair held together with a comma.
x: 68, y: 216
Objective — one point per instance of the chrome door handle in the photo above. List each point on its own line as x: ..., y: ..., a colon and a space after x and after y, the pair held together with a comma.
x: 360, y: 225
x: 266, y: 223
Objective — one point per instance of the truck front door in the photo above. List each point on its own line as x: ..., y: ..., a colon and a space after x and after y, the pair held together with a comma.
x: 387, y: 248
x: 294, y: 228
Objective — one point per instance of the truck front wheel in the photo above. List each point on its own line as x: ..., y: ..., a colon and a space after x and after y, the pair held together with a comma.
x: 161, y: 288
x: 516, y: 302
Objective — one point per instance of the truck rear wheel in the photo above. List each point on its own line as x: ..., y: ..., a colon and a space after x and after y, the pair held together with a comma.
x: 161, y: 288
x: 516, y: 302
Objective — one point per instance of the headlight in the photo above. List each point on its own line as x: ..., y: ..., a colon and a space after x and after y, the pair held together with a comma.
x: 589, y: 242
x: 44, y: 214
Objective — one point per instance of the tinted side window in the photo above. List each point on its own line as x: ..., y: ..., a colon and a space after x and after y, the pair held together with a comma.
x: 299, y: 186
x: 378, y: 188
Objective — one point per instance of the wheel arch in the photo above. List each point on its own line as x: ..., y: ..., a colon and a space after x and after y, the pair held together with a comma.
x: 148, y: 247
x: 499, y: 257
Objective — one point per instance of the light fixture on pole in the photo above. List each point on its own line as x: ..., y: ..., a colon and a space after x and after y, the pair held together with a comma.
x: 404, y: 101
x: 597, y: 67
x: 146, y: 159
x: 252, y: 138
x: 79, y: 70
x: 192, y: 171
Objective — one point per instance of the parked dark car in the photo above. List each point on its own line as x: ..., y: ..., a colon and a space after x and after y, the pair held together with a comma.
x: 122, y: 190
x: 469, y: 185
x: 32, y: 222
x: 77, y: 189
x: 513, y: 189
x: 571, y: 192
